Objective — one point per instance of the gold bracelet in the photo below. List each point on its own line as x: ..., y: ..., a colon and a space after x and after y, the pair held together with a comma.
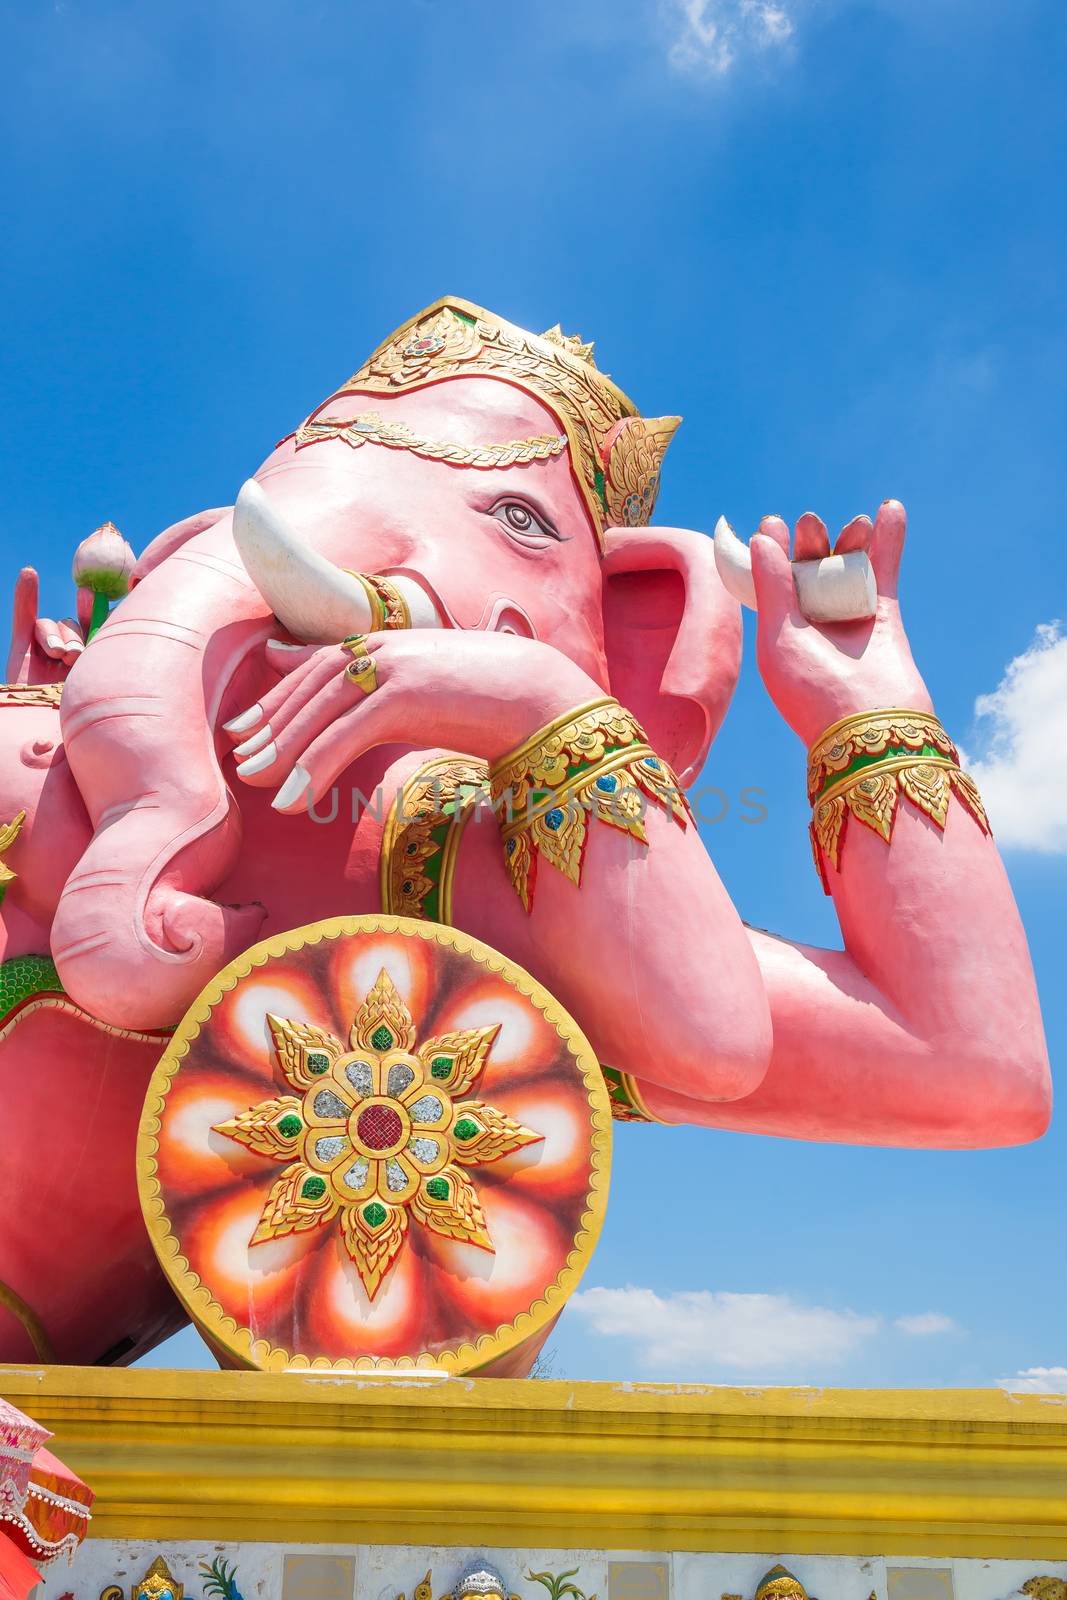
x: 596, y: 761
x: 627, y: 1102
x: 388, y: 608
x: 420, y: 843
x: 862, y: 764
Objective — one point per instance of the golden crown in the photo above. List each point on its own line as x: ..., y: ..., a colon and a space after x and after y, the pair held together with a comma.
x: 615, y: 454
x: 780, y: 1584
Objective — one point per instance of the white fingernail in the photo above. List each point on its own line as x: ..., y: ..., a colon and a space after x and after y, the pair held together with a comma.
x: 292, y: 788
x: 246, y: 720
x: 74, y: 648
x: 54, y: 642
x: 280, y: 644
x: 257, y: 741
x: 258, y: 763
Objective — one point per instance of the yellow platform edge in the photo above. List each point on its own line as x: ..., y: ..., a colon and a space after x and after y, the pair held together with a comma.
x: 322, y: 1457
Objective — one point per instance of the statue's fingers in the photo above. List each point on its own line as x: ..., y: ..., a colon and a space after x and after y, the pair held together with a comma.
x: 811, y: 541
x: 49, y: 639
x: 887, y: 545
x: 772, y: 574
x: 296, y: 725
x: 776, y: 528
x: 23, y: 618
x: 363, y: 726
x: 70, y: 633
x: 284, y: 658
x: 315, y: 670
x: 855, y: 535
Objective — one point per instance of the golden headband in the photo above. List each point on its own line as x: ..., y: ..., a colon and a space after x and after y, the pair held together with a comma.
x: 615, y: 454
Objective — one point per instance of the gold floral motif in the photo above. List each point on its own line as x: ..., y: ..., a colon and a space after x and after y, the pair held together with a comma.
x: 389, y: 609
x: 9, y: 832
x: 780, y: 1584
x: 30, y: 694
x: 627, y: 1101
x: 594, y: 761
x: 1045, y: 1588
x: 631, y: 478
x: 454, y: 338
x: 369, y: 427
x: 900, y: 743
x: 377, y: 1135
x: 871, y: 733
x: 157, y: 1582
x: 423, y: 832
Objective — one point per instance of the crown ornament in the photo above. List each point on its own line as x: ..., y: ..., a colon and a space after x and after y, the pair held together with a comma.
x: 615, y: 454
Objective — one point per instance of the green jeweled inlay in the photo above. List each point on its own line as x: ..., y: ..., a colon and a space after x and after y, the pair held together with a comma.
x: 289, y: 1126
x: 891, y: 753
x: 382, y: 1037
x: 317, y: 1062
x: 466, y: 1130
x: 441, y: 1067
x: 313, y: 1188
x: 437, y: 1188
x: 374, y: 1214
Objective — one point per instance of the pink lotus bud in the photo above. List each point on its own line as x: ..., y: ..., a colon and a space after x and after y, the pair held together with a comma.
x: 104, y: 562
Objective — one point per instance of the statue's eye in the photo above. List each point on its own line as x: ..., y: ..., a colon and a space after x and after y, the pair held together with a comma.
x: 525, y: 525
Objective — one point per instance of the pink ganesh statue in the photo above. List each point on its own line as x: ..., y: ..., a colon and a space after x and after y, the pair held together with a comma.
x: 438, y: 664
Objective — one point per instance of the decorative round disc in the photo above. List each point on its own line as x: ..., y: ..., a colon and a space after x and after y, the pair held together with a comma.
x: 374, y: 1143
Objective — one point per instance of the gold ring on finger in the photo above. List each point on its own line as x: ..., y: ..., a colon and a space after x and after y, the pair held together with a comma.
x: 363, y: 673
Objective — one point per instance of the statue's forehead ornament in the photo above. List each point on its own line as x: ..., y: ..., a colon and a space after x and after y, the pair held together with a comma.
x: 615, y: 454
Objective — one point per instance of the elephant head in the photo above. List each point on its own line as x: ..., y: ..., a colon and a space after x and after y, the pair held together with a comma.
x: 499, y: 481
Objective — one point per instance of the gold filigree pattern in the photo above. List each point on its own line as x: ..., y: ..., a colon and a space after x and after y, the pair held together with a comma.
x: 862, y: 765
x: 377, y: 1135
x: 369, y: 427
x: 157, y: 1583
x: 1045, y: 1587
x: 454, y: 338
x: 30, y: 694
x: 780, y: 1584
x: 388, y: 608
x: 872, y: 733
x: 634, y: 456
x: 594, y: 761
x: 627, y: 1101
x: 420, y: 843
x: 9, y: 832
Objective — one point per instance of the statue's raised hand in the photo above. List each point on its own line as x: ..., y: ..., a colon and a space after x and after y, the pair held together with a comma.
x: 42, y: 650
x: 817, y: 672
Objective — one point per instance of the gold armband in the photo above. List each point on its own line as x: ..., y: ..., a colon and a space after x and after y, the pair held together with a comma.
x: 388, y: 608
x: 422, y: 835
x: 595, y: 761
x: 862, y: 765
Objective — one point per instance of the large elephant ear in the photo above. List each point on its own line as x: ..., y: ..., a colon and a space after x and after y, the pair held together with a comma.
x: 673, y: 639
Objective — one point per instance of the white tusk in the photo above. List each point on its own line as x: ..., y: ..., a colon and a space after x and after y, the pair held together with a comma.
x: 834, y: 589
x: 735, y: 564
x: 837, y: 588
x: 318, y: 602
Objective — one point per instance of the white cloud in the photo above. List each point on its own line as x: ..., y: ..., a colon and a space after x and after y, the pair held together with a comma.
x: 701, y: 1332
x: 711, y: 34
x: 1036, y: 1380
x: 924, y: 1324
x: 1022, y: 774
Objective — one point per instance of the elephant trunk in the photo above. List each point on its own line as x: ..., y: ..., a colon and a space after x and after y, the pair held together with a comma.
x: 134, y: 937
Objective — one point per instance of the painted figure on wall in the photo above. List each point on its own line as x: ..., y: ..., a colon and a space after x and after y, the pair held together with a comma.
x: 447, y: 582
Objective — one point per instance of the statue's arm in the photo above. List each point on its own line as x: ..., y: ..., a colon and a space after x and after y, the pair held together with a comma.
x: 925, y: 1029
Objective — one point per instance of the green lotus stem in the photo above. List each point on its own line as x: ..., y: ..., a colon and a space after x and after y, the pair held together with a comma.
x: 101, y: 609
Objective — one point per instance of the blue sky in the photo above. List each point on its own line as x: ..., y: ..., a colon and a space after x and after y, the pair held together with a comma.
x: 831, y: 234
